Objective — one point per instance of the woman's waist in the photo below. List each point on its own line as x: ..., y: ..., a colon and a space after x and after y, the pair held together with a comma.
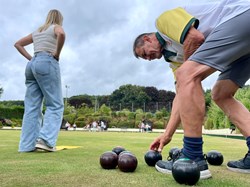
x: 43, y: 53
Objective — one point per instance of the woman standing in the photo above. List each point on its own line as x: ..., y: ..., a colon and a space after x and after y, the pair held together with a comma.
x: 43, y: 82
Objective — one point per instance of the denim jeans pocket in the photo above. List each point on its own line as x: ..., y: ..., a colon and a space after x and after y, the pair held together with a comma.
x: 42, y: 67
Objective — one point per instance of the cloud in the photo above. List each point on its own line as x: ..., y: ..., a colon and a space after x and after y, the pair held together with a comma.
x: 97, y: 56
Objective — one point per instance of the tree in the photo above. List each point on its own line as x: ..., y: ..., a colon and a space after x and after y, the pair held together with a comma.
x: 1, y: 91
x: 166, y: 96
x: 208, y: 98
x: 85, y: 110
x: 77, y: 101
x: 128, y: 96
x: 104, y: 100
x: 153, y: 93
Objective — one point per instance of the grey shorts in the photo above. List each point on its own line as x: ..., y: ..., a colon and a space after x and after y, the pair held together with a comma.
x: 227, y: 49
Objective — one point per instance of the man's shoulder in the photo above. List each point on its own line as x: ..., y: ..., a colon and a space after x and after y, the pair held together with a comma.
x: 175, y: 23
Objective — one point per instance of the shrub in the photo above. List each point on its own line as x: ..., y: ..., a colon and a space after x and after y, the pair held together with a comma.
x: 131, y: 116
x: 11, y: 112
x: 80, y: 123
x: 139, y: 111
x: 17, y: 122
x: 158, y: 115
x: 126, y: 124
x: 70, y: 118
x: 105, y: 118
x: 148, y: 115
x: 209, y: 124
x: 104, y: 110
x: 139, y: 117
x: 159, y: 124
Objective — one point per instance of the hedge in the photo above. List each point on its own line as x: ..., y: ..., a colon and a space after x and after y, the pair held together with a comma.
x: 11, y: 112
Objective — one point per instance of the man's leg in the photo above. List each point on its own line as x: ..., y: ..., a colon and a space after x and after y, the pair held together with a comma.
x: 223, y: 95
x: 192, y: 111
x: 191, y: 97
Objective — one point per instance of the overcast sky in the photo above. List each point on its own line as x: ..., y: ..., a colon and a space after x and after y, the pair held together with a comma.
x: 97, y: 57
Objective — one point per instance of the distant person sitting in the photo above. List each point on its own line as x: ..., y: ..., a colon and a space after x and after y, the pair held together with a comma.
x: 103, y: 126
x: 141, y: 126
x: 74, y: 126
x: 94, y: 126
x: 232, y: 127
x: 67, y: 126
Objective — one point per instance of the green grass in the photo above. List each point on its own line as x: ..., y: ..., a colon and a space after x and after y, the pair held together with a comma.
x: 80, y: 167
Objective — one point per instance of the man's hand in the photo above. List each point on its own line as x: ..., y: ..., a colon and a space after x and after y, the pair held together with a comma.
x: 160, y: 142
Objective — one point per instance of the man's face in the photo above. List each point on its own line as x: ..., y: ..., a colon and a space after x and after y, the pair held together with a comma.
x: 150, y: 50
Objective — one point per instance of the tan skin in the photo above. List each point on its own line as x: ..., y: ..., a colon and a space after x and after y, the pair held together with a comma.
x: 151, y: 49
x: 190, y: 93
x: 223, y: 95
x: 59, y: 32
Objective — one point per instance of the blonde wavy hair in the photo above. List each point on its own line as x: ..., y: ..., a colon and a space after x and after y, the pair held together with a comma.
x: 54, y: 17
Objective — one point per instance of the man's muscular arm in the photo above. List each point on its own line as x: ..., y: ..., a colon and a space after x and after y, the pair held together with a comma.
x: 174, y: 121
x: 192, y: 42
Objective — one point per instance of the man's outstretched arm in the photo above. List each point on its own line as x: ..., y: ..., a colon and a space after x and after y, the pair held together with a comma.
x: 172, y: 125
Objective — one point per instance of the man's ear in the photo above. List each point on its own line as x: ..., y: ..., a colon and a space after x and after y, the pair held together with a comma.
x: 147, y: 38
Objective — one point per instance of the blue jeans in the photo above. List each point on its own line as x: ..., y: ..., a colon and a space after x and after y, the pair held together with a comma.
x: 43, y: 82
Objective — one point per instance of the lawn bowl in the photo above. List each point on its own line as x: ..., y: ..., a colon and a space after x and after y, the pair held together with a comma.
x: 151, y: 157
x: 127, y: 162
x: 109, y: 160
